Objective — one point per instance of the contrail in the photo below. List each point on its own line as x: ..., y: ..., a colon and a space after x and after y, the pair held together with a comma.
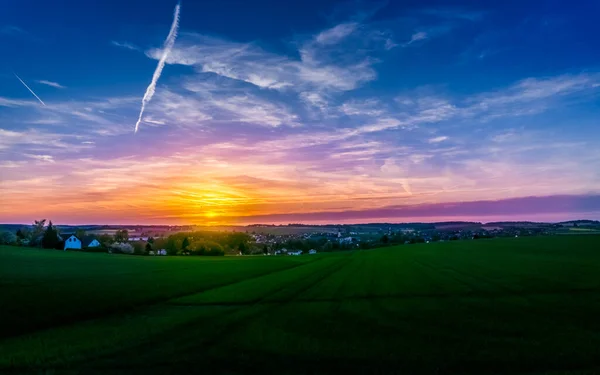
x: 30, y: 90
x: 167, y: 46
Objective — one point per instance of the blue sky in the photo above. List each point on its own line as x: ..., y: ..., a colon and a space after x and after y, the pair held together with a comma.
x: 266, y: 109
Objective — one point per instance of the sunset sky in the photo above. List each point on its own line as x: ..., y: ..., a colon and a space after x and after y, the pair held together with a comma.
x: 324, y: 111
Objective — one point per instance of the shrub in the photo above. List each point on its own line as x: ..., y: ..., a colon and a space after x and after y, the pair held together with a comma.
x: 138, y: 248
x: 119, y: 247
x: 204, y: 247
x: 7, y: 238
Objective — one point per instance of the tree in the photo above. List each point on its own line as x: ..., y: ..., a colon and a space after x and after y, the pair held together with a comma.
x: 105, y: 239
x: 122, y: 236
x: 151, y: 240
x: 148, y: 247
x: 37, y: 232
x: 265, y: 249
x: 80, y: 233
x: 242, y: 248
x: 50, y: 238
x: 160, y: 243
x: 385, y: 239
x: 7, y: 238
x: 20, y: 235
x: 138, y: 248
x: 206, y: 247
x: 185, y: 244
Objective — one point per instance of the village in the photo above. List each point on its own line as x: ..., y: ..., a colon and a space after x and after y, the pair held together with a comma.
x: 291, y: 240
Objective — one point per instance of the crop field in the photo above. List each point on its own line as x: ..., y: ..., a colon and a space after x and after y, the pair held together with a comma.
x: 500, y: 306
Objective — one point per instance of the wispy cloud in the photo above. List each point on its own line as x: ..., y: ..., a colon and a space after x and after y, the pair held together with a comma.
x: 8, y: 102
x: 44, y: 158
x: 335, y: 34
x: 439, y: 139
x: 168, y: 45
x: 421, y: 35
x: 50, y: 83
x: 532, y: 89
x: 368, y: 107
x: 326, y: 62
x: 30, y: 90
x: 125, y: 45
x: 11, y: 29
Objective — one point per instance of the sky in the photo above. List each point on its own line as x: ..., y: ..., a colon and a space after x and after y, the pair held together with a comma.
x: 303, y: 111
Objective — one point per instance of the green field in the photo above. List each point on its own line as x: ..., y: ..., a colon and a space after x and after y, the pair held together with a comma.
x: 500, y: 306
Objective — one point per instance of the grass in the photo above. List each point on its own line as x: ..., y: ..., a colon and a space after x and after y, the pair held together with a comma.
x: 516, y: 305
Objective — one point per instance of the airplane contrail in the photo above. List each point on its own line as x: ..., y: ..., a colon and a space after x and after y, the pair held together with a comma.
x: 167, y: 46
x: 30, y: 90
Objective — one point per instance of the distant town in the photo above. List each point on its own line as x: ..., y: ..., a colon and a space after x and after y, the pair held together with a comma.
x: 264, y: 239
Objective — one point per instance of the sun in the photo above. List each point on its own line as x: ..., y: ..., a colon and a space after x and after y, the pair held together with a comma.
x: 210, y: 214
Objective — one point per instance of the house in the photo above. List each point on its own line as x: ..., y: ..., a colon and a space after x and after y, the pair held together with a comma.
x: 297, y: 252
x: 91, y: 242
x: 312, y: 251
x: 72, y: 242
x: 346, y: 240
x: 138, y: 238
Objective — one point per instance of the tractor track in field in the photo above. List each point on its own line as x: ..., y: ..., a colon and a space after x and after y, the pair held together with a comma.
x: 207, y: 342
x: 73, y: 320
x: 392, y: 296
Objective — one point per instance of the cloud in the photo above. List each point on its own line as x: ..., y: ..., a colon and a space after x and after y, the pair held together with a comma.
x: 437, y: 139
x: 208, y: 107
x: 44, y: 158
x: 525, y: 98
x: 421, y: 35
x: 125, y: 45
x: 532, y: 89
x: 390, y: 168
x: 336, y: 34
x: 368, y: 107
x: 7, y: 102
x: 334, y: 60
x: 12, y: 30
x: 167, y: 46
x: 50, y: 83
x: 389, y: 44
x: 34, y: 138
x: 525, y: 208
x: 314, y: 99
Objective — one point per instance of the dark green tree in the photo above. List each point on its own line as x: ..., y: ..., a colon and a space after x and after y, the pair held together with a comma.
x: 121, y: 236
x: 242, y: 248
x: 80, y: 233
x: 37, y: 232
x: 385, y: 239
x: 50, y: 238
x: 105, y: 240
x: 185, y: 244
x: 148, y: 247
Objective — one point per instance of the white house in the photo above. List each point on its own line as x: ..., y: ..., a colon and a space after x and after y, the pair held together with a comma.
x: 313, y: 251
x: 72, y: 243
x: 92, y: 243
